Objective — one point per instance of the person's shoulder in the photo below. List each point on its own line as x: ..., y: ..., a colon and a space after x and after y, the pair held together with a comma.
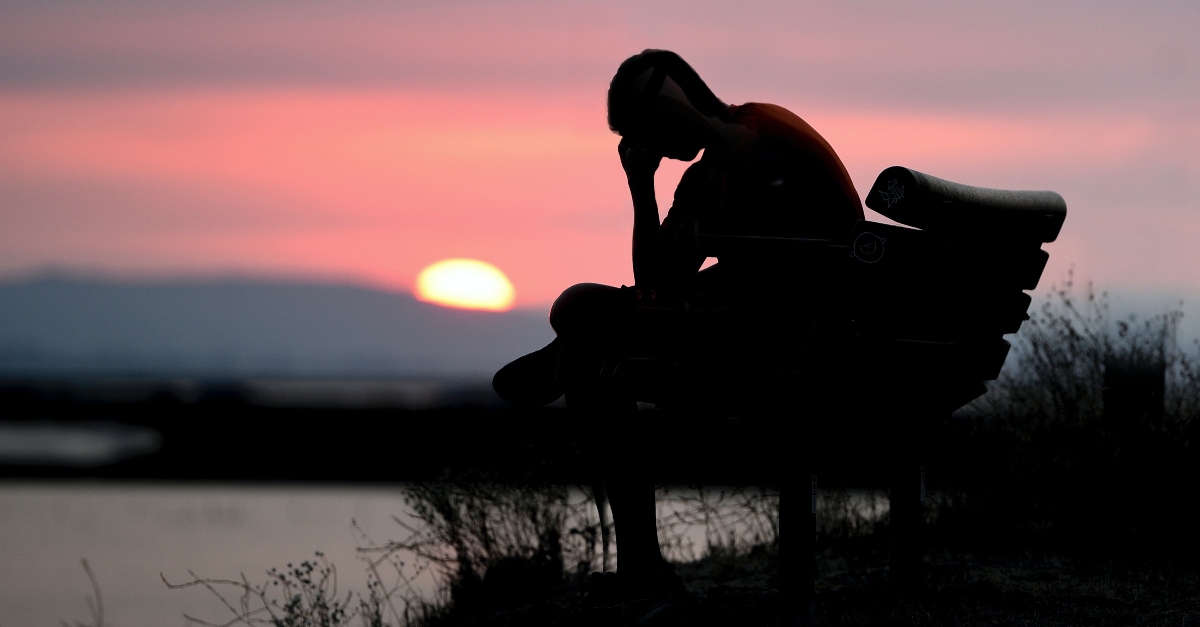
x: 772, y: 120
x: 763, y: 110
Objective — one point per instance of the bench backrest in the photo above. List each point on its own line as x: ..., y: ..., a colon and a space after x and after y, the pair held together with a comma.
x: 922, y: 311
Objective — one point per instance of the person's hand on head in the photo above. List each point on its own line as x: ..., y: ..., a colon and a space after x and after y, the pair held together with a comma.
x: 638, y: 160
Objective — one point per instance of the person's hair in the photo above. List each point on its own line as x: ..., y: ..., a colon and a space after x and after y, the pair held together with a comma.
x: 623, y: 101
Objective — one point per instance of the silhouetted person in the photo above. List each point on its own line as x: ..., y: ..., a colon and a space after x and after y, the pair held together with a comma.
x: 764, y: 172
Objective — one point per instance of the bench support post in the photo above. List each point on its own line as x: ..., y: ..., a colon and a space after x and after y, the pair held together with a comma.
x: 797, y: 548
x: 907, y: 521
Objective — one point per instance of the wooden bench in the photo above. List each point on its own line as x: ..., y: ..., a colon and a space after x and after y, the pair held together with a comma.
x: 891, y: 329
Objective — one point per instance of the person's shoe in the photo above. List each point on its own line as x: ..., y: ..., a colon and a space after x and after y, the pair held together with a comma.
x: 603, y: 590
x: 612, y: 600
x: 673, y: 583
x: 530, y: 381
x: 664, y: 613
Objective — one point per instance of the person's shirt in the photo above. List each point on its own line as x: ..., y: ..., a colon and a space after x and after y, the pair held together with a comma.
x: 779, y: 179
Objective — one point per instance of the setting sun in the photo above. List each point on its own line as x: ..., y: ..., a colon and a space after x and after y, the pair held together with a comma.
x: 466, y: 284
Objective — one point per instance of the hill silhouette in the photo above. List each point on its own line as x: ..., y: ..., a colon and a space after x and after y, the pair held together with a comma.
x: 233, y: 328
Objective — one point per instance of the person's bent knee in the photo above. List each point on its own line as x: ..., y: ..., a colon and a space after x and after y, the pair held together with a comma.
x: 582, y: 302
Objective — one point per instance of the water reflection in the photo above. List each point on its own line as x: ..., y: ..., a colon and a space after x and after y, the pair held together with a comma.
x: 74, y: 444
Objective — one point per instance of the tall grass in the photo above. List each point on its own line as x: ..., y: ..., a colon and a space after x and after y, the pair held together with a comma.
x: 696, y: 522
x: 301, y: 595
x: 1043, y: 461
x: 487, y: 540
x: 95, y: 603
x: 1061, y: 354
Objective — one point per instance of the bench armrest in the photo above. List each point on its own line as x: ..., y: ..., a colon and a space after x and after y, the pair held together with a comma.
x: 940, y: 206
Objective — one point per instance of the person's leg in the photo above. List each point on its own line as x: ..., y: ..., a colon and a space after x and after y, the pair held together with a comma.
x: 598, y: 324
x: 531, y: 380
x: 592, y: 316
x: 619, y: 467
x: 591, y: 312
x: 639, y: 557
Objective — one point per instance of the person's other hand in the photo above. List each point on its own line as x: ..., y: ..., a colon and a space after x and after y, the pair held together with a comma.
x: 638, y: 160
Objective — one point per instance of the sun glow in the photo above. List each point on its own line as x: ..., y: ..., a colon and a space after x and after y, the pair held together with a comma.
x: 465, y: 284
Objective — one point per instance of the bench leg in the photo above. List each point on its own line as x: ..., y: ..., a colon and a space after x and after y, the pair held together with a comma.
x: 907, y: 521
x: 797, y: 549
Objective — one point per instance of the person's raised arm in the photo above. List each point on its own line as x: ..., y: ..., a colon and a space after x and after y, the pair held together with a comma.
x: 640, y: 164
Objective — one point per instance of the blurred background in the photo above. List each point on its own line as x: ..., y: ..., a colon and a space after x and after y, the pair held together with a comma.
x: 225, y: 200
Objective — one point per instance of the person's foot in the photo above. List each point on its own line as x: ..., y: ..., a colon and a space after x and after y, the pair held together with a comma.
x: 625, y: 602
x: 660, y: 582
x: 530, y: 381
x: 664, y: 613
x: 603, y: 590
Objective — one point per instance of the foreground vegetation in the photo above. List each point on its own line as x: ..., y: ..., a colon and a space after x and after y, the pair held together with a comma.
x: 1047, y: 506
x: 1056, y: 457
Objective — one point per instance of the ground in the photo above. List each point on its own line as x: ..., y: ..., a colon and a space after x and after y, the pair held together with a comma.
x: 960, y: 589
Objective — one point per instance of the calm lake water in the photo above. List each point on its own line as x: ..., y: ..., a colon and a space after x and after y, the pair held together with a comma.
x: 131, y: 533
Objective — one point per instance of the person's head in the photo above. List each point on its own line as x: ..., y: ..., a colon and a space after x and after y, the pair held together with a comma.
x: 658, y: 100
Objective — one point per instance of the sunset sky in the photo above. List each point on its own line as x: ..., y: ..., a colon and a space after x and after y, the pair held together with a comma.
x: 363, y: 141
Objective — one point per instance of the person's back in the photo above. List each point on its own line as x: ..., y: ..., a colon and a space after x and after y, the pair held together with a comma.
x: 776, y: 178
x: 786, y: 181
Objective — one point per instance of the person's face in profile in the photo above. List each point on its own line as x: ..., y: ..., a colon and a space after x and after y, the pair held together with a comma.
x: 664, y: 134
x: 668, y: 125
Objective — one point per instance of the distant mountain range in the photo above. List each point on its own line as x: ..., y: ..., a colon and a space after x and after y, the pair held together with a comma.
x: 244, y: 328
x: 249, y: 328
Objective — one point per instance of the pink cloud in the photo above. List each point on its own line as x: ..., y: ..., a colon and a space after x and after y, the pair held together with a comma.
x: 378, y: 183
